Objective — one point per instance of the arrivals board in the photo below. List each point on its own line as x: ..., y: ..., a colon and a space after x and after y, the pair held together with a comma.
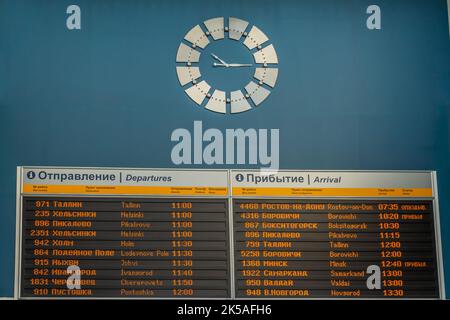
x: 162, y: 233
x: 320, y: 234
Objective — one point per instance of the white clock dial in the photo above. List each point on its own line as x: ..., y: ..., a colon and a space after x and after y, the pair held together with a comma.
x: 241, y: 33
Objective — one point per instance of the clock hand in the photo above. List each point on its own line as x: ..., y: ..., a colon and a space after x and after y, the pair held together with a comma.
x: 229, y: 65
x: 215, y: 64
x: 237, y: 65
x: 218, y: 59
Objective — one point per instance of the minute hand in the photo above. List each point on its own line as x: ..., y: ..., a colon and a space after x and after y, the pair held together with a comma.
x: 237, y: 65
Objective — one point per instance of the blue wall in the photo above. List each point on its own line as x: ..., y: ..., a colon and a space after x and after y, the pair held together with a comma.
x: 108, y: 95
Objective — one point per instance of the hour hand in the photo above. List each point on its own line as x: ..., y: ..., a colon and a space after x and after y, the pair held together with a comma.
x: 218, y: 59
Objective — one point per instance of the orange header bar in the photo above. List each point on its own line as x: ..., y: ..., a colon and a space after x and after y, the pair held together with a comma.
x: 220, y: 191
x: 126, y: 190
x: 334, y: 192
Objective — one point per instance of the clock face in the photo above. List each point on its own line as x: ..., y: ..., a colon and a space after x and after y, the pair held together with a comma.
x: 202, y: 56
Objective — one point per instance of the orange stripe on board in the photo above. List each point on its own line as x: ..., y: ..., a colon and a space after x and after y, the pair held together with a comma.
x: 335, y: 192
x: 138, y: 190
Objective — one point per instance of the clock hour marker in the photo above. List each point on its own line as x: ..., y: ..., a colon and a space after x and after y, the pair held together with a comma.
x: 197, y: 37
x: 215, y: 27
x: 238, y: 102
x: 237, y: 28
x: 266, y: 75
x: 255, y: 38
x: 187, y: 54
x: 198, y: 92
x: 188, y: 74
x: 257, y: 93
x: 266, y: 55
x: 217, y: 102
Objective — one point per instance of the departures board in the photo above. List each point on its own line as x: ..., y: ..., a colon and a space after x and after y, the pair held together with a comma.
x: 164, y: 233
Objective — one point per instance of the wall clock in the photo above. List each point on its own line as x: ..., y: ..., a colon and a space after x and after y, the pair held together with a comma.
x: 264, y: 65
